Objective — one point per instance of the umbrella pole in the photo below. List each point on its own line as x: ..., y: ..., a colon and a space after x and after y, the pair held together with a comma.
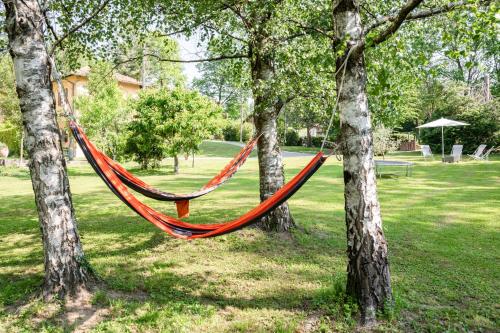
x: 442, y: 143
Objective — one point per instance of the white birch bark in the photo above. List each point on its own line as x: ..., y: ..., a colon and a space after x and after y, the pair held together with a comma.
x: 271, y: 173
x: 368, y: 278
x: 65, y: 268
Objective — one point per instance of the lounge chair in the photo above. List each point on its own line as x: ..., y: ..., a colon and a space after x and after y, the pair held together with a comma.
x: 478, y: 153
x: 486, y: 156
x: 456, y: 154
x: 426, y: 151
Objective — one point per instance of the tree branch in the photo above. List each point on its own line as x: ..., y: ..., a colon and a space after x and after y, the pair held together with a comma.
x: 78, y: 26
x: 416, y: 15
x: 222, y: 57
x: 311, y: 28
x: 206, y: 25
x: 396, y: 20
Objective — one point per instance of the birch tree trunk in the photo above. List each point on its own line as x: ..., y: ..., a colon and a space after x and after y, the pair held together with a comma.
x: 271, y: 174
x: 65, y: 268
x: 368, y: 278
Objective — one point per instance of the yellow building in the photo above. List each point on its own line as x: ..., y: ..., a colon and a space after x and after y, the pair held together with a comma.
x: 75, y: 84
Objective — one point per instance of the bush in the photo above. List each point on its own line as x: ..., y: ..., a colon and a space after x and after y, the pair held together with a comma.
x: 293, y: 138
x: 10, y: 135
x: 384, y: 141
x: 231, y: 131
x: 317, y: 141
x: 484, y: 128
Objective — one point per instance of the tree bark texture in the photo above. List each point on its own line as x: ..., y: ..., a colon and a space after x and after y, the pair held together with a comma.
x: 176, y: 164
x: 271, y: 173
x: 65, y: 268
x: 368, y: 278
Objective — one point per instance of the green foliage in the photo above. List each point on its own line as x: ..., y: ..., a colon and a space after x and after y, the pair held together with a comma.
x: 231, y: 131
x: 104, y: 113
x: 453, y: 101
x: 170, y: 122
x: 384, y: 141
x: 317, y: 141
x: 226, y: 83
x: 10, y: 135
x: 293, y: 138
x: 10, y: 113
x: 141, y: 59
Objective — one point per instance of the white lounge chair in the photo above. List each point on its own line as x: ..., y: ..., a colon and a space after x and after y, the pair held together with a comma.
x: 456, y: 152
x: 426, y: 151
x: 486, y: 156
x: 478, y: 153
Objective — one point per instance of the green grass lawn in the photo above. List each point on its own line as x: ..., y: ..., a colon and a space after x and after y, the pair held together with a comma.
x: 441, y: 224
x: 221, y: 149
x: 301, y: 149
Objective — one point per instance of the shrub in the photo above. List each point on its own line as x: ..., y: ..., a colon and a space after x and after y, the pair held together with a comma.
x: 384, y: 141
x: 484, y: 128
x: 317, y: 141
x: 10, y: 135
x: 293, y: 138
x: 231, y: 131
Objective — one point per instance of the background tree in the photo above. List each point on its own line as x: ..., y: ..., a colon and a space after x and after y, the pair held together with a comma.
x: 103, y: 112
x: 140, y: 59
x: 225, y: 82
x: 169, y: 123
x: 10, y: 115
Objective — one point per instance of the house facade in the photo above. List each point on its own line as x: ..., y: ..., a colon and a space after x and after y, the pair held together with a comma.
x: 75, y: 85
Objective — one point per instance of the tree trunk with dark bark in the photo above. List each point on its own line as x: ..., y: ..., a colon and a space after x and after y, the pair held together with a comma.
x: 368, y: 278
x: 271, y: 174
x: 309, y: 138
x: 176, y: 164
x: 65, y: 268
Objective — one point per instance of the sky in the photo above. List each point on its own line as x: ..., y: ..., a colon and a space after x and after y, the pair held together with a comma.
x: 189, y: 50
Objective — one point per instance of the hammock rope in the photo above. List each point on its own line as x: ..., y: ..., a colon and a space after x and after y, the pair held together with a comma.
x: 342, y: 68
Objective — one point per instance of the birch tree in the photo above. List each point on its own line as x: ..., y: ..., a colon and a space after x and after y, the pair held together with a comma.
x: 368, y: 278
x: 28, y: 27
x: 65, y: 267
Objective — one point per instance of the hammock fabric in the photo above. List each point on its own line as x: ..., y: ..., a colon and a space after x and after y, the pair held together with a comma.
x: 178, y: 228
x: 181, y: 200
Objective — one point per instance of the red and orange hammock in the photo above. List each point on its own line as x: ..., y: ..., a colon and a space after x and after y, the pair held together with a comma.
x: 181, y: 200
x: 175, y: 227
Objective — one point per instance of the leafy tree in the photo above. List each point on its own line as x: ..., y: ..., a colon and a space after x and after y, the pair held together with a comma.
x: 383, y: 141
x: 226, y: 83
x: 10, y: 114
x: 452, y: 101
x: 103, y: 111
x: 141, y: 59
x: 169, y: 123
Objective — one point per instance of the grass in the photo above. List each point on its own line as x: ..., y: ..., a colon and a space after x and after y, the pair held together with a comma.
x: 301, y: 149
x: 221, y: 149
x: 441, y: 225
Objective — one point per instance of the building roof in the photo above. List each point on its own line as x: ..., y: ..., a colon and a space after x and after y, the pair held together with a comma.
x: 85, y: 71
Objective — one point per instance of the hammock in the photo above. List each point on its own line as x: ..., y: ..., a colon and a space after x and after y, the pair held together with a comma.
x: 181, y: 200
x: 178, y: 228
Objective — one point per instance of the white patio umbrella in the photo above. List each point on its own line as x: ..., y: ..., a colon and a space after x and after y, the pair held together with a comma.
x: 442, y: 122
